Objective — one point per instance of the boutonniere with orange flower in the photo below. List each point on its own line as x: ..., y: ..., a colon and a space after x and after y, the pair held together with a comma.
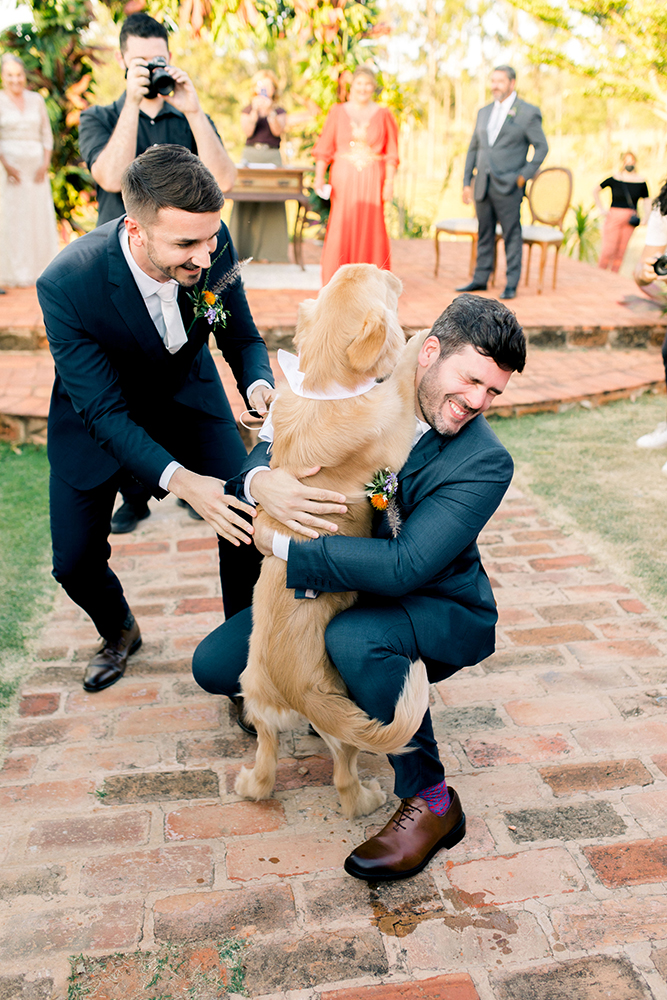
x: 382, y: 494
x: 207, y: 302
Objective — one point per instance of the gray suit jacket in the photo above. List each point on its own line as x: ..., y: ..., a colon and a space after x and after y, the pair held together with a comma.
x: 503, y: 162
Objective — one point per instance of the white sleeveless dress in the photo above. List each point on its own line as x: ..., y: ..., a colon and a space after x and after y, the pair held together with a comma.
x: 28, y: 233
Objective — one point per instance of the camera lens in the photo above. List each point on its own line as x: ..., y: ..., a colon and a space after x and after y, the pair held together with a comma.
x: 660, y: 266
x: 161, y: 81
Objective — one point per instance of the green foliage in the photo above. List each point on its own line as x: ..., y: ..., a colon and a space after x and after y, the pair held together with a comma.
x: 25, y: 584
x: 619, y: 45
x: 583, y: 236
x: 60, y: 66
x: 231, y: 953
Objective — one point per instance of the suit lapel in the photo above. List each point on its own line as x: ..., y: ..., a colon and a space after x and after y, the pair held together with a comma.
x: 426, y: 449
x: 129, y: 302
x: 187, y: 312
x: 506, y: 125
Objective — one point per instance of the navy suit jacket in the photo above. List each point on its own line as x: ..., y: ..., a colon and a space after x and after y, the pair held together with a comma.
x: 448, y: 489
x: 118, y: 392
x: 506, y: 160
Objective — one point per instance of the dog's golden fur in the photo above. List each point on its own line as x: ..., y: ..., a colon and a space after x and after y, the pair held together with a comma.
x: 349, y: 334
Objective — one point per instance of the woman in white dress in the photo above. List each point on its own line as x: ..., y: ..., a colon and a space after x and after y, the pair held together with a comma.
x: 28, y: 233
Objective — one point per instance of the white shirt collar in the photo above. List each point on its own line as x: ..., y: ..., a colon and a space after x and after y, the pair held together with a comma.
x: 421, y: 429
x: 147, y: 286
x: 507, y: 103
x: 290, y: 366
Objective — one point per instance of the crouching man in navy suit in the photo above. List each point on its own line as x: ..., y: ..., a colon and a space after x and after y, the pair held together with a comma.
x: 423, y: 594
x: 128, y: 311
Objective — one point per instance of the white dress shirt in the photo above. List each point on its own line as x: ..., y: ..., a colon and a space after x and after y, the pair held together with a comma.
x: 498, y: 116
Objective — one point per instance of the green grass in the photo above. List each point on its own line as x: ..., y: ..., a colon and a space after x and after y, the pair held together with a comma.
x: 26, y: 587
x: 586, y: 467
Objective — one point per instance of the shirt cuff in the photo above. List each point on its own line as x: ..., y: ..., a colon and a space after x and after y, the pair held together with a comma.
x: 167, y: 474
x: 251, y: 388
x: 248, y: 479
x: 280, y: 545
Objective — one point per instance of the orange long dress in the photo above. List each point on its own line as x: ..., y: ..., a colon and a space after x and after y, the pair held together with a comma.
x: 356, y: 233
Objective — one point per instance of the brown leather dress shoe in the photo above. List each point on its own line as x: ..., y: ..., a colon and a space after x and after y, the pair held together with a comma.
x: 408, y: 842
x: 108, y: 665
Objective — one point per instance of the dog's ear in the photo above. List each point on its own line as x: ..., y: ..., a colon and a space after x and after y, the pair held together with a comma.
x: 368, y: 345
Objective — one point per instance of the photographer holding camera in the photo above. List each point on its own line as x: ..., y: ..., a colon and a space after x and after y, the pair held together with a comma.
x: 160, y: 105
x: 651, y: 276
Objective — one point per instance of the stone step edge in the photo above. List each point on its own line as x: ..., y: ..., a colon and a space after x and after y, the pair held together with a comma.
x: 640, y: 335
x: 24, y: 429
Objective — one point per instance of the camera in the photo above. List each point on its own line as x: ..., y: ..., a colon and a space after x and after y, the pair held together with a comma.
x: 161, y: 81
x: 660, y: 266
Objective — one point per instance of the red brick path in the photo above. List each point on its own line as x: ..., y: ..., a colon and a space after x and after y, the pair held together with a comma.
x: 123, y: 842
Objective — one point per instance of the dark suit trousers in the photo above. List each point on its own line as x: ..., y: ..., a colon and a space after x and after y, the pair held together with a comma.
x: 80, y: 522
x: 372, y: 648
x: 505, y: 209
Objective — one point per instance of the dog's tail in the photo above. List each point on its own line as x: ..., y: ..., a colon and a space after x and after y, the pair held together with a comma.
x: 334, y: 714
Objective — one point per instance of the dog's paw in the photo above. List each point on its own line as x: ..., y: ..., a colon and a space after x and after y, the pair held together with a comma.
x: 249, y: 787
x: 369, y: 798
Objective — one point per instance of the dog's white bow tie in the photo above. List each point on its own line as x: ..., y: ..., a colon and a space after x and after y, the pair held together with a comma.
x: 290, y: 366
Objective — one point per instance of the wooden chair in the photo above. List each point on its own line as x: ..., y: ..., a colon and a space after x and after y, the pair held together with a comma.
x: 462, y: 227
x: 456, y: 227
x: 549, y: 198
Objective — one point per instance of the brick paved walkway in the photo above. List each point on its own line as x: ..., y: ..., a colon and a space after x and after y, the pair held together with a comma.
x: 123, y: 844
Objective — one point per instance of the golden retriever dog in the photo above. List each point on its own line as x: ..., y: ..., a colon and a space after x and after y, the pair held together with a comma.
x: 348, y: 337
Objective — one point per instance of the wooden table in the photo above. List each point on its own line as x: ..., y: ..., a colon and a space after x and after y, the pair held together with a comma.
x: 275, y: 184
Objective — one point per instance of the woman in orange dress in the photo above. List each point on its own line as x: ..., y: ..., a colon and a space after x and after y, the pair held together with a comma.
x: 360, y: 141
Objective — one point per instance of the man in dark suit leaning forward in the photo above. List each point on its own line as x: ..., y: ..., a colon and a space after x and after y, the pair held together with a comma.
x: 128, y: 311
x: 504, y: 132
x: 423, y: 594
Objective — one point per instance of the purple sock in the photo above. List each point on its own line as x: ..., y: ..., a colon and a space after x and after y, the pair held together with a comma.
x: 436, y: 798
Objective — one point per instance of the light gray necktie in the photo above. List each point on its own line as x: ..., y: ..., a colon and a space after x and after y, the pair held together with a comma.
x: 493, y: 128
x: 175, y: 335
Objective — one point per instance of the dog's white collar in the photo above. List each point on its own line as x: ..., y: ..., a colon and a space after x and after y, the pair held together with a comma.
x: 290, y: 366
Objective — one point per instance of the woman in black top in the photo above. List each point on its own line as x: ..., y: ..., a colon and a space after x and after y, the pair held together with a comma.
x: 627, y: 190
x: 259, y: 229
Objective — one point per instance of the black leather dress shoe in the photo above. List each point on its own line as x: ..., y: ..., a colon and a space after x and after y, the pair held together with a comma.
x: 108, y: 665
x: 473, y: 286
x: 127, y: 517
x: 408, y: 842
x: 246, y: 726
x: 509, y: 293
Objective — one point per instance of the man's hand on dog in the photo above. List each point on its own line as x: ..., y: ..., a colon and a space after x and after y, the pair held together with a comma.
x: 294, y: 504
x: 261, y: 399
x: 207, y: 496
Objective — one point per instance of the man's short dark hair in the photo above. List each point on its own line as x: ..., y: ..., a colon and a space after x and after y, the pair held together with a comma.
x: 485, y: 324
x: 509, y: 71
x: 142, y: 26
x: 169, y: 176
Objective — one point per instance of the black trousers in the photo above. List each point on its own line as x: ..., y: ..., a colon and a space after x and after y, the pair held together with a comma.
x: 505, y: 209
x: 80, y: 522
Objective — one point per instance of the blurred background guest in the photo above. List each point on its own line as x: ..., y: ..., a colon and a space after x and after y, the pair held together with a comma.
x: 28, y: 233
x: 627, y: 190
x: 259, y: 229
x: 360, y: 141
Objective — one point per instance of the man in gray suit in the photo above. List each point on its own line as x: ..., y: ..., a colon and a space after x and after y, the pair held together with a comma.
x: 504, y: 132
